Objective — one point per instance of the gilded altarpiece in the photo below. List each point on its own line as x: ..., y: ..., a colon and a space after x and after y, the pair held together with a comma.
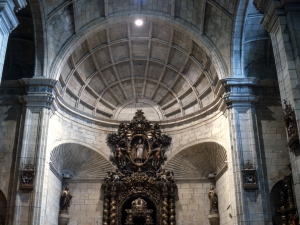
x: 139, y: 191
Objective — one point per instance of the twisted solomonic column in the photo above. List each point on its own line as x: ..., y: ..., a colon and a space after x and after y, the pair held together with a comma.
x: 113, y: 211
x: 106, y: 212
x: 172, y: 212
x: 165, y: 211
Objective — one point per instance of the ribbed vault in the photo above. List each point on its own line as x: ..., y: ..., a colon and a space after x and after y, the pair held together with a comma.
x: 83, y: 161
x: 197, y: 161
x: 154, y: 63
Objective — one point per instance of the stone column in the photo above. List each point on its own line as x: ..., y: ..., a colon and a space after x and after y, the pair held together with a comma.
x: 248, y: 207
x: 30, y: 207
x: 282, y: 20
x: 8, y: 22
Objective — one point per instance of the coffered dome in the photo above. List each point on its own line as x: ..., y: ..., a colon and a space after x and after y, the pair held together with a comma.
x: 124, y: 67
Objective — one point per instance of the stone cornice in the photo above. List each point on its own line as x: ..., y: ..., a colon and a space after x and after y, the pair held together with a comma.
x: 239, y: 91
x: 20, y: 4
x: 40, y: 93
x: 273, y: 9
x: 8, y: 19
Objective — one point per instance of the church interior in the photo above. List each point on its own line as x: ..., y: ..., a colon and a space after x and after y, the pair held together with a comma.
x: 140, y: 112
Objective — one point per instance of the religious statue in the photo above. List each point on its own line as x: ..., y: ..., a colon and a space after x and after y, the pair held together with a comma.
x: 117, y: 176
x: 213, y: 198
x: 157, y: 131
x: 139, y: 151
x: 108, y: 177
x: 165, y: 175
x: 119, y: 155
x: 157, y: 155
x: 65, y: 199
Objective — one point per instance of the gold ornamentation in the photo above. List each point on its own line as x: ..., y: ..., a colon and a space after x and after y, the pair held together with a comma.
x: 287, y: 208
x: 172, y: 211
x: 139, y: 209
x: 165, y: 212
x: 106, y: 211
x: 113, y: 211
x: 138, y: 153
x: 138, y: 143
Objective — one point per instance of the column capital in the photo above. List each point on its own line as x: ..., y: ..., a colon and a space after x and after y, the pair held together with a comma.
x: 239, y: 91
x: 40, y: 93
x: 273, y: 9
x: 8, y: 19
x: 20, y: 4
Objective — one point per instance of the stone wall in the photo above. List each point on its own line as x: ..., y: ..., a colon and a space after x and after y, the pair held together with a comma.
x: 272, y: 135
x: 224, y: 200
x: 9, y: 130
x: 87, y: 203
x: 53, y: 198
x: 192, y: 204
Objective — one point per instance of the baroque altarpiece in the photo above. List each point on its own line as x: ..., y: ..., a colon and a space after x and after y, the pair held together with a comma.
x: 139, y: 191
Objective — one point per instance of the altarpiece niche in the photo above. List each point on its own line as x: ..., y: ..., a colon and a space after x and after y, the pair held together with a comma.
x: 139, y: 191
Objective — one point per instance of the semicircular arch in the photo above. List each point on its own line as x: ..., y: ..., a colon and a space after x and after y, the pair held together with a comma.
x: 196, y: 161
x: 83, y: 161
x: 205, y: 43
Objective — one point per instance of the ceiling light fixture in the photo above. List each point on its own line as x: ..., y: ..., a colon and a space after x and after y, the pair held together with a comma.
x: 138, y: 22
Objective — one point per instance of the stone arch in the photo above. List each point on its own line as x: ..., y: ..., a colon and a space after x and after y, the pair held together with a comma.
x: 20, y: 50
x: 145, y: 104
x: 39, y: 39
x: 94, y: 27
x: 83, y: 161
x: 275, y: 201
x: 3, y: 207
x: 126, y: 204
x: 236, y: 48
x: 198, y: 160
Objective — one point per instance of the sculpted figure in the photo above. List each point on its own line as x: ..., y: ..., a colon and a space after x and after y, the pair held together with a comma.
x: 139, y: 149
x: 157, y: 155
x: 122, y: 130
x: 213, y: 198
x: 157, y: 132
x: 162, y: 175
x: 170, y: 176
x: 65, y: 199
x: 108, y: 177
x: 117, y: 176
x: 119, y: 155
x: 139, y: 152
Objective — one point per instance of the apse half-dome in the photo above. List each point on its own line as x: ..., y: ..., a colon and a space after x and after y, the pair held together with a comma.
x: 154, y: 65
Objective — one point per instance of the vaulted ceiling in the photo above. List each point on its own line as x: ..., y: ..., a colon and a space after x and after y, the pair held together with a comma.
x: 154, y: 64
x: 171, y: 65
